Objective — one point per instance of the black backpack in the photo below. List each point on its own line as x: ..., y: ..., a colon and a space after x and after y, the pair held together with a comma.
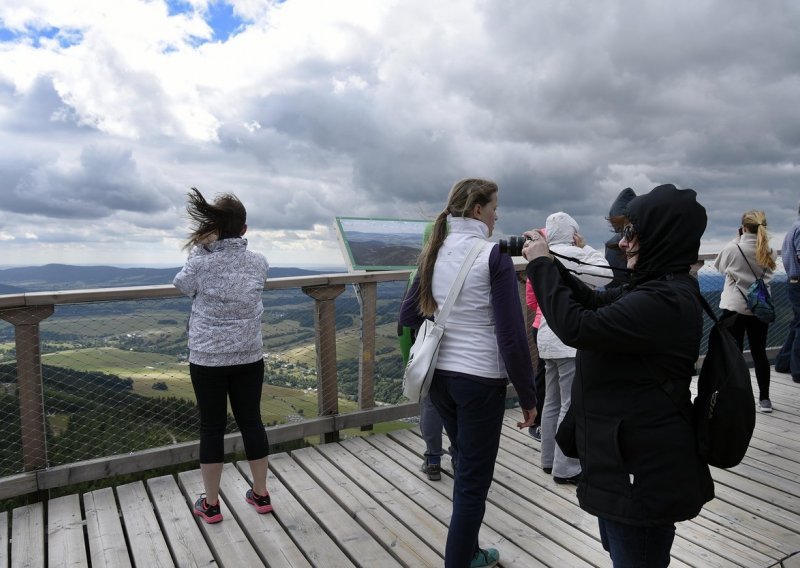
x: 724, y: 409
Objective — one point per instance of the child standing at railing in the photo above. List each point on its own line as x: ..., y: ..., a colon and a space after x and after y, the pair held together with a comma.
x: 226, y: 356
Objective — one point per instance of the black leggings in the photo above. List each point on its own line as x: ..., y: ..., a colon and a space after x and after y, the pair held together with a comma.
x: 212, y: 387
x: 757, y: 338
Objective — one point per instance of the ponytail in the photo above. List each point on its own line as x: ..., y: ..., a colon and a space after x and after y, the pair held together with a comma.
x: 464, y: 196
x: 427, y: 259
x: 756, y: 222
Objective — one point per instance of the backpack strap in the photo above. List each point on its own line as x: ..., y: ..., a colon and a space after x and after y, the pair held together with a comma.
x: 757, y: 278
x: 669, y: 386
x: 707, y: 308
x: 750, y: 266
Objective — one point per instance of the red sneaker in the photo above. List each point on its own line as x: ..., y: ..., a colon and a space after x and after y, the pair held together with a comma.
x: 209, y: 513
x: 260, y: 502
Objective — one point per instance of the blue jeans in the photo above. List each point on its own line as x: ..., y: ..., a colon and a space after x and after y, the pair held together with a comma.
x: 633, y: 546
x: 430, y: 425
x: 788, y: 360
x: 472, y: 413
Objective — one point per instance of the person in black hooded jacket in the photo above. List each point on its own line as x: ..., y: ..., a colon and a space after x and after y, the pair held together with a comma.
x: 614, y: 255
x: 641, y: 471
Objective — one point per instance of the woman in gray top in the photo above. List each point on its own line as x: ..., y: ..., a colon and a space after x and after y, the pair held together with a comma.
x: 226, y: 356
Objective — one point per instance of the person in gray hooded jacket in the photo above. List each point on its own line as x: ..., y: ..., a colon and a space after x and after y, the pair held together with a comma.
x: 563, y: 237
x: 226, y: 353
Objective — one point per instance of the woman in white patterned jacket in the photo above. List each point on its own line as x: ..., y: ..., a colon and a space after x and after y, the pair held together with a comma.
x: 226, y: 356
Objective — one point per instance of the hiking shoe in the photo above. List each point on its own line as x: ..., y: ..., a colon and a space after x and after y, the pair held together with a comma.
x: 765, y: 405
x: 567, y: 480
x: 261, y: 503
x: 209, y: 513
x: 432, y: 470
x: 536, y: 433
x: 485, y: 558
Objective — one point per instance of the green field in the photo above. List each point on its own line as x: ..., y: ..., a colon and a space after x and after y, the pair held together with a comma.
x: 146, y: 342
x: 278, y: 403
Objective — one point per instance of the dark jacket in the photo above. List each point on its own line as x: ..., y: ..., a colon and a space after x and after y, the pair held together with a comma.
x: 637, y: 449
x: 614, y: 255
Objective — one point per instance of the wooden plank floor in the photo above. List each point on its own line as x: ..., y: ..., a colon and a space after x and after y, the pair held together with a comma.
x: 363, y: 502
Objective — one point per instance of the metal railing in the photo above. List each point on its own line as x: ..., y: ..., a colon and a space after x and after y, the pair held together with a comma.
x: 94, y: 383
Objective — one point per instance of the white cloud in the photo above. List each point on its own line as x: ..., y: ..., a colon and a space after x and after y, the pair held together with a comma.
x: 314, y: 109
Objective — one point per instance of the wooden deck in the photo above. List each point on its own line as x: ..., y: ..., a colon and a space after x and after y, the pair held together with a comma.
x: 363, y: 502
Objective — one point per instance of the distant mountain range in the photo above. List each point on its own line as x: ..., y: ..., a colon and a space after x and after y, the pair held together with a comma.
x: 70, y: 277
x: 51, y: 277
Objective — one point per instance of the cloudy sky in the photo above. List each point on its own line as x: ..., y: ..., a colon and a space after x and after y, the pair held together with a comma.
x: 312, y: 109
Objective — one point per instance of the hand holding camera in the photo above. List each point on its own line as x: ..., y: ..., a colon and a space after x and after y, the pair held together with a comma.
x: 535, y: 246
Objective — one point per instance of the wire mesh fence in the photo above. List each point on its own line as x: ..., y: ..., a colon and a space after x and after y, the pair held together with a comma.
x: 115, y: 374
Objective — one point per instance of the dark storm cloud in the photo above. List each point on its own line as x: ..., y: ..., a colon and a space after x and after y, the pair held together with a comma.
x: 105, y: 180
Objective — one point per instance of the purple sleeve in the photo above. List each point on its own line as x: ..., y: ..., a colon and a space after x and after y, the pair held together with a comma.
x: 409, y: 310
x: 512, y: 338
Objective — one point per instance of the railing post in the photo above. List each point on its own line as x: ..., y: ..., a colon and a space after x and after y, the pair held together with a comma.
x: 29, y: 382
x: 368, y: 297
x: 325, y: 340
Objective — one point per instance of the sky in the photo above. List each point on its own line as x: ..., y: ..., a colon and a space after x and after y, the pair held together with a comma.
x: 312, y: 109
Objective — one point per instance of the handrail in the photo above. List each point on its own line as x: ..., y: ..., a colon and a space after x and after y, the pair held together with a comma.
x: 169, y: 291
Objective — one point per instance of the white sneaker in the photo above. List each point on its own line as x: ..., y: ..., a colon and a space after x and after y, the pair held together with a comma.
x: 765, y: 405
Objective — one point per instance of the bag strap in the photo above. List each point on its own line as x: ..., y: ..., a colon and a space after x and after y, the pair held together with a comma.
x: 751, y: 270
x: 459, y: 281
x: 750, y: 266
x: 669, y: 387
x: 707, y: 308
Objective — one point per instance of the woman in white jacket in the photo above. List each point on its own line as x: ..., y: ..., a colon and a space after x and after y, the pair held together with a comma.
x: 741, y: 261
x: 564, y: 238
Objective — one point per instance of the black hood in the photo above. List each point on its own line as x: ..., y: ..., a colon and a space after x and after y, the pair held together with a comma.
x: 619, y: 207
x: 669, y: 223
x: 620, y: 204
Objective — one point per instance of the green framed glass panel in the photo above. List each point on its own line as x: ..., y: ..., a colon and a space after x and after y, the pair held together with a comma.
x: 380, y: 243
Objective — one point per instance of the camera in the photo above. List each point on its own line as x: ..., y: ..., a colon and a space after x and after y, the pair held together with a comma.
x: 512, y: 246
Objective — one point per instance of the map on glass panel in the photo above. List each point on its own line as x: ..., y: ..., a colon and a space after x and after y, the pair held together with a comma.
x: 380, y: 244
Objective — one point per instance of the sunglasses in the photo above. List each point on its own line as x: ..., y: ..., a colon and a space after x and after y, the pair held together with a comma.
x: 628, y: 232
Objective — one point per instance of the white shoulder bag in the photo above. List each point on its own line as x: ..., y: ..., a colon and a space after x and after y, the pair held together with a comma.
x: 425, y: 350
